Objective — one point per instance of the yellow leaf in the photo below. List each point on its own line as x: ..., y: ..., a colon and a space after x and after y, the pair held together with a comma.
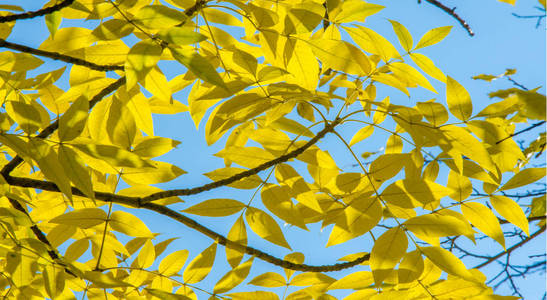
x: 248, y: 182
x: 411, y: 267
x: 436, y: 225
x: 433, y: 36
x: 461, y: 141
x: 83, y: 218
x: 215, y: 208
x: 311, y: 278
x: 196, y: 63
x: 524, y: 177
x: 511, y: 211
x: 302, y: 64
x: 158, y: 17
x: 68, y: 39
x: 253, y: 295
x: 181, y: 36
x: 340, y: 55
x: 361, y: 134
x: 200, y: 266
x: 112, y: 30
x: 461, y: 186
x: 49, y: 165
x: 278, y: 200
x: 372, y: 42
x: 159, y: 172
x: 355, y: 280
x: 173, y: 262
x: 388, y: 165
x: 120, y: 125
x: 265, y: 226
x: 458, y: 99
x: 249, y: 157
x: 54, y: 280
x: 112, y: 155
x: 411, y: 75
x: 434, y: 112
x: 141, y: 109
x: 72, y: 122
x: 427, y: 65
x: 355, y: 10
x: 146, y: 256
x: 233, y: 278
x: 484, y: 219
x: 405, y: 39
x: 142, y: 57
x: 268, y: 279
x: 155, y: 82
x: 356, y: 219
x: 388, y: 249
x: 154, y: 146
x: 447, y: 262
x: 103, y: 280
x: 237, y: 234
x: 128, y: 224
x: 25, y: 115
x: 76, y: 170
x: 410, y: 193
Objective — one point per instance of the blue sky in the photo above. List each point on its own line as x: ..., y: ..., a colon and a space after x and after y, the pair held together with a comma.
x: 501, y: 41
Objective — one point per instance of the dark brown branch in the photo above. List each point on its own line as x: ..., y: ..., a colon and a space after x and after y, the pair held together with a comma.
x: 6, y: 170
x: 137, y: 203
x: 521, y: 243
x: 59, y: 56
x: 247, y: 173
x: 37, y: 13
x: 522, y: 131
x: 451, y: 12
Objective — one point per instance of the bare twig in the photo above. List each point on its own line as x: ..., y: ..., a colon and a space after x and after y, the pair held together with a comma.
x: 521, y: 131
x: 521, y: 243
x: 37, y: 13
x: 451, y: 12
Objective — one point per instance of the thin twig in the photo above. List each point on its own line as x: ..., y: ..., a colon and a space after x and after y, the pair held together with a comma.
x: 59, y: 56
x: 451, y: 12
x: 522, y: 131
x: 521, y: 243
x: 37, y: 13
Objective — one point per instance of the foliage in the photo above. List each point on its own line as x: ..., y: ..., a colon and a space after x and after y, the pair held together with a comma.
x: 267, y: 98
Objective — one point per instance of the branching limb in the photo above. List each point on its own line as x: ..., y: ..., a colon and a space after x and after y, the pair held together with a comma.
x: 451, y: 12
x: 37, y: 13
x: 513, y: 248
x: 137, y: 203
x: 59, y: 56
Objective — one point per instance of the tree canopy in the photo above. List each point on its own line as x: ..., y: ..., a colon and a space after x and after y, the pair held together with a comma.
x: 267, y: 81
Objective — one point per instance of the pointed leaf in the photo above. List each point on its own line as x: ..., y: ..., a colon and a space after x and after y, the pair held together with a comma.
x: 265, y: 226
x: 200, y: 266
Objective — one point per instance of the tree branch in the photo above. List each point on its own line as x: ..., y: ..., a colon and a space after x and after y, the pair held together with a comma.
x: 137, y: 203
x: 59, y: 56
x: 37, y: 13
x: 521, y: 243
x: 451, y: 12
x: 522, y: 131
